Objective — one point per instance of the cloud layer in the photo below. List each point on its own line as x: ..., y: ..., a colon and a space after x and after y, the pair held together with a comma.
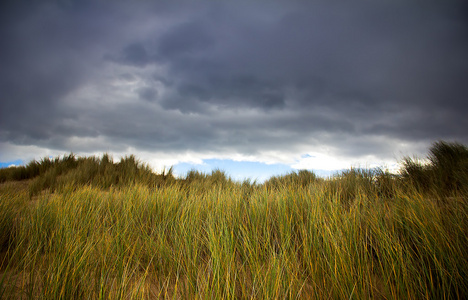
x: 263, y: 81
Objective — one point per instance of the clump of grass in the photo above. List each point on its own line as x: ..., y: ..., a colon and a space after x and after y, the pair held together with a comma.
x: 99, y: 172
x: 52, y: 174
x: 107, y: 230
x: 445, y: 174
x: 300, y: 178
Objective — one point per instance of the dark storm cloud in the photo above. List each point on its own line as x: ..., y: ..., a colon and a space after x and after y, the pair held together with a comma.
x: 186, y: 39
x: 148, y: 93
x: 135, y: 54
x: 43, y: 49
x: 240, y: 77
x: 359, y: 62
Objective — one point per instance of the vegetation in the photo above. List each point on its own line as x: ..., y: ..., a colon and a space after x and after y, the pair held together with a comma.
x: 445, y: 175
x: 73, y: 228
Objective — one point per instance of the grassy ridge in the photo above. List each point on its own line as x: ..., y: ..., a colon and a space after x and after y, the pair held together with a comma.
x: 93, y: 230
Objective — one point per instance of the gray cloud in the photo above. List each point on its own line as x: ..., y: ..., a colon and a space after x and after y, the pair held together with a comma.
x: 224, y: 77
x: 148, y: 93
x: 135, y: 54
x: 185, y: 40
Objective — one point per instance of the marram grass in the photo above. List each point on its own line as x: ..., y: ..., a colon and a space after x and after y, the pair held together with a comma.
x: 295, y: 242
x: 359, y: 235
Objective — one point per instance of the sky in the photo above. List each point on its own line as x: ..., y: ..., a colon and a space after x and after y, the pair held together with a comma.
x: 256, y: 88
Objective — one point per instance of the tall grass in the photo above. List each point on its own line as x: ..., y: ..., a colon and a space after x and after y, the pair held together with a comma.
x: 358, y: 235
x: 446, y: 174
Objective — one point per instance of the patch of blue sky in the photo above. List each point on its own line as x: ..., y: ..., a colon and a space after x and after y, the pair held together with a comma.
x: 7, y: 164
x: 237, y: 170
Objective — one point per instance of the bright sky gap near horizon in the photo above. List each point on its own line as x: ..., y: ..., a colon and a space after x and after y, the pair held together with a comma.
x: 255, y: 88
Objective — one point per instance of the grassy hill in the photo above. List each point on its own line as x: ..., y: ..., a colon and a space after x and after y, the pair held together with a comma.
x: 88, y: 227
